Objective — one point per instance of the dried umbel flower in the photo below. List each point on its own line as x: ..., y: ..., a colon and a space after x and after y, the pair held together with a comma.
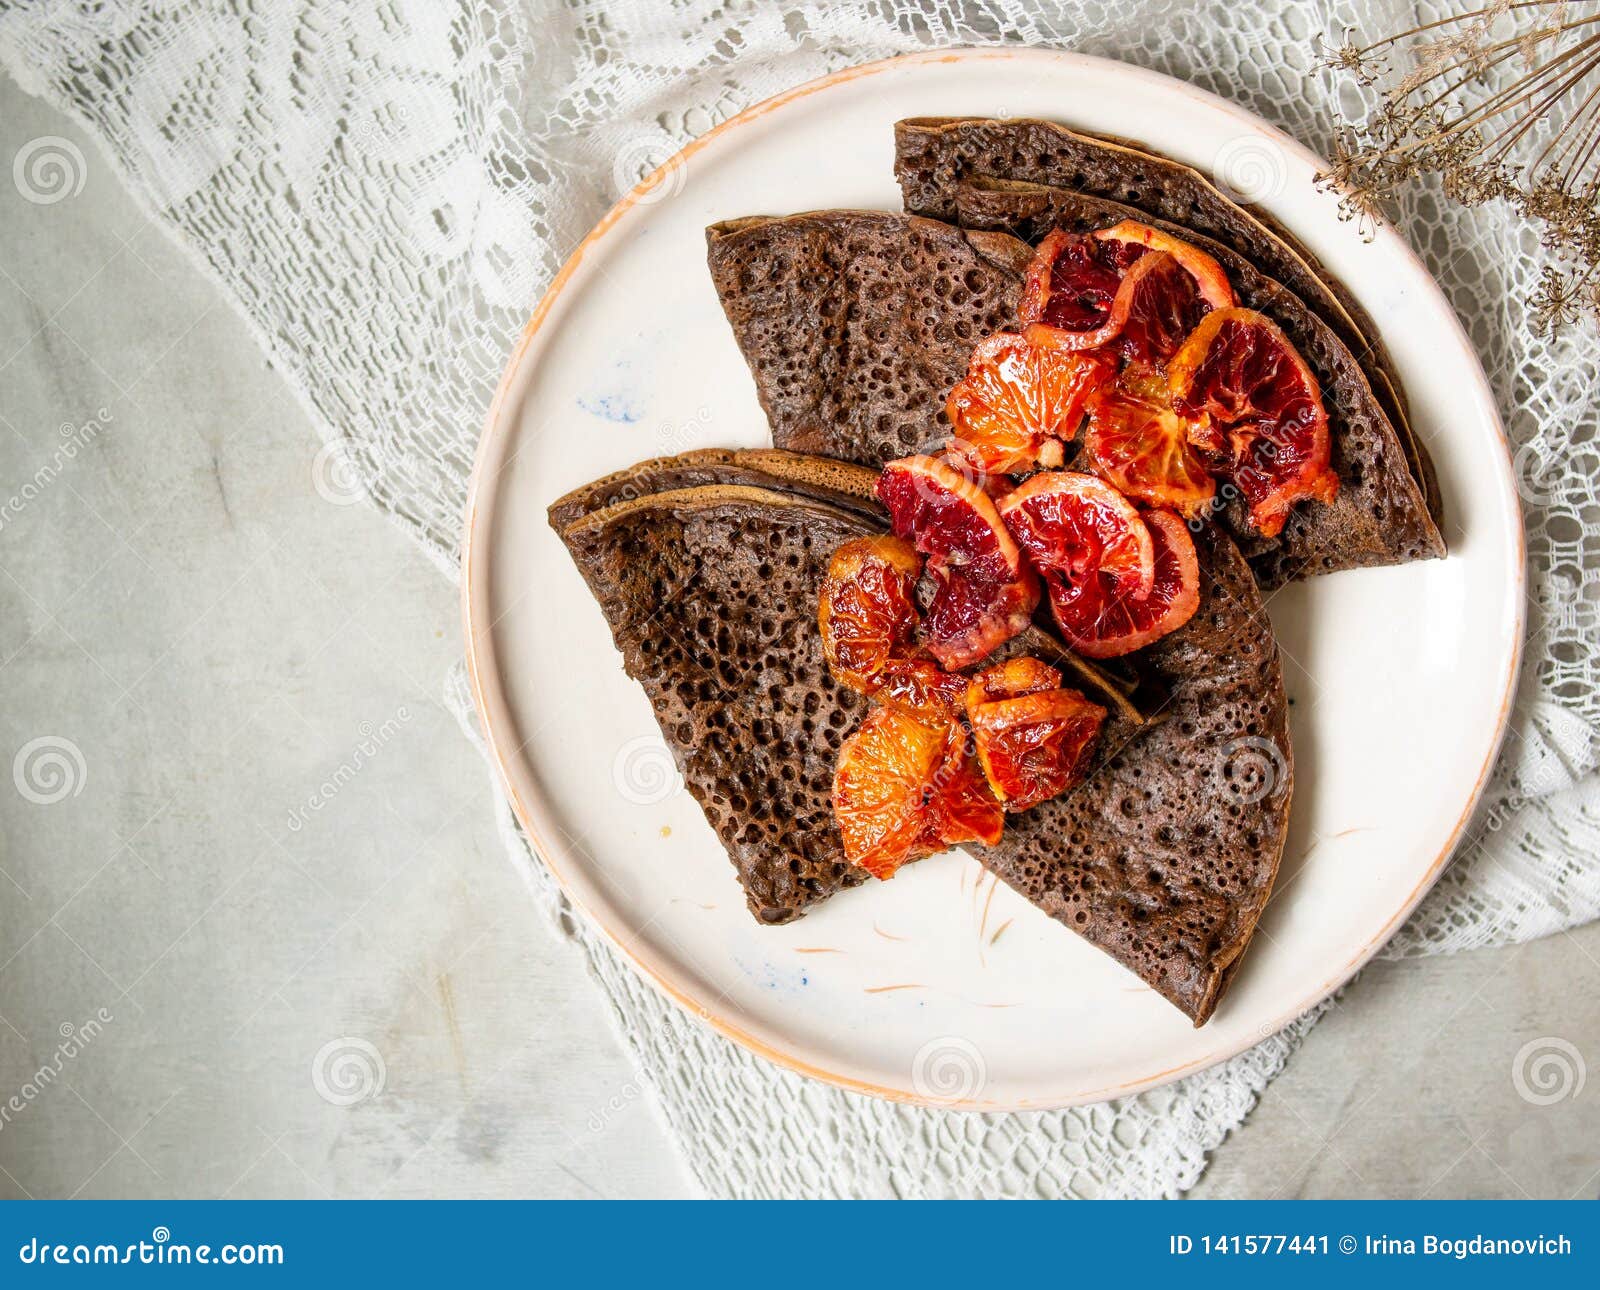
x: 1503, y: 104
x: 1349, y: 57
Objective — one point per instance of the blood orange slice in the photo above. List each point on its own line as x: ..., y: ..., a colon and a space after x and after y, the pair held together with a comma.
x: 995, y: 485
x: 1033, y: 739
x: 983, y: 592
x: 878, y: 788
x: 1035, y: 746
x: 1086, y: 291
x: 961, y: 805
x: 905, y: 788
x: 867, y: 611
x: 1210, y: 279
x: 1019, y: 401
x: 1100, y: 621
x: 1140, y: 446
x: 1069, y: 288
x: 1016, y: 676
x: 1258, y: 412
x: 920, y: 685
x: 1157, y: 305
x: 1073, y: 526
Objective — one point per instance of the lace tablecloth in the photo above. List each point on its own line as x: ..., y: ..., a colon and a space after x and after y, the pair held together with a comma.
x: 383, y: 189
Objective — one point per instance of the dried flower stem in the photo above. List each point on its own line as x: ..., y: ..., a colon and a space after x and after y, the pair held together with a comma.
x: 1462, y: 112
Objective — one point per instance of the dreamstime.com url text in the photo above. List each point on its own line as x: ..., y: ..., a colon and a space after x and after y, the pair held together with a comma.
x: 160, y: 1250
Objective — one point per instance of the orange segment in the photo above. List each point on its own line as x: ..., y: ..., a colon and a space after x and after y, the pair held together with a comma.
x: 921, y: 685
x: 867, y: 611
x: 1073, y: 525
x: 962, y: 806
x: 867, y: 614
x: 1069, y: 287
x: 983, y: 594
x: 1036, y: 746
x: 1016, y: 676
x: 905, y: 788
x: 1130, y: 284
x: 1258, y: 412
x: 1208, y: 275
x: 878, y: 790
x: 1019, y: 401
x: 1157, y: 305
x: 1141, y: 447
x: 1099, y: 620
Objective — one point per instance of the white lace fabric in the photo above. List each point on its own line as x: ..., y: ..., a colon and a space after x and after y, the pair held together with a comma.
x: 383, y: 190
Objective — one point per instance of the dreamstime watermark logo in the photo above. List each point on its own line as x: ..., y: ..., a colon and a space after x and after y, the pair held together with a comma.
x: 1267, y: 1029
x: 334, y: 474
x: 1548, y: 1070
x: 1538, y: 477
x: 644, y: 773
x: 74, y: 1039
x: 632, y: 1089
x: 948, y: 1070
x: 381, y: 128
x: 1544, y: 777
x: 679, y: 436
x: 74, y: 439
x: 1253, y: 768
x: 49, y: 169
x: 652, y: 163
x: 1250, y: 169
x: 49, y: 769
x: 348, y: 1071
x: 1212, y: 506
x: 160, y: 1250
x: 934, y: 486
x: 372, y: 741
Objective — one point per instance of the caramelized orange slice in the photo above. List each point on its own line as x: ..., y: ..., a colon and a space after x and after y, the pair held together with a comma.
x: 961, y: 805
x: 1070, y: 287
x: 867, y: 610
x: 1016, y: 676
x: 1018, y: 402
x: 918, y: 684
x: 1257, y: 413
x: 1074, y: 525
x: 984, y: 594
x: 1100, y: 620
x: 905, y: 788
x: 1037, y: 745
x: 1129, y: 284
x: 1210, y: 279
x: 1142, y: 448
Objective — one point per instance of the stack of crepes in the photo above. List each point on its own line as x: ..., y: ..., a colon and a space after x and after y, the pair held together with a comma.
x: 1081, y: 364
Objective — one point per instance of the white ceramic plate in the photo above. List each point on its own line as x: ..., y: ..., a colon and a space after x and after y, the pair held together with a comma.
x: 1400, y: 678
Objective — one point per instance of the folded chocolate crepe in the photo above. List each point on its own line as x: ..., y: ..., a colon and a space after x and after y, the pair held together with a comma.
x: 1388, y: 504
x: 1166, y: 855
x: 856, y: 325
x: 711, y: 596
x: 822, y: 479
x: 1133, y: 697
x: 1163, y: 857
x: 933, y: 155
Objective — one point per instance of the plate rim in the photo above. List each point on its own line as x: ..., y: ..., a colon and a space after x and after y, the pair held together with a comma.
x: 493, y: 711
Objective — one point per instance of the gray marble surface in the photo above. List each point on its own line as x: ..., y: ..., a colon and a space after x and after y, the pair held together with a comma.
x: 270, y: 905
